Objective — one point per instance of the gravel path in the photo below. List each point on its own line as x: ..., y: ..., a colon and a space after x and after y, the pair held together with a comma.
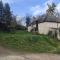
x: 6, y: 54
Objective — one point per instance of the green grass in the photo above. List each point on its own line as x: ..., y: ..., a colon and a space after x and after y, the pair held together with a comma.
x: 27, y: 42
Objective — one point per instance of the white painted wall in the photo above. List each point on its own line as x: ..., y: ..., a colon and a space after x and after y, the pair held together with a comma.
x: 29, y: 28
x: 43, y: 28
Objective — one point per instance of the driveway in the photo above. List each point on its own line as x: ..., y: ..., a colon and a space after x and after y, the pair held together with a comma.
x: 6, y: 54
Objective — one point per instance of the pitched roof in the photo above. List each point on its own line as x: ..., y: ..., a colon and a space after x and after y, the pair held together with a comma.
x: 44, y: 18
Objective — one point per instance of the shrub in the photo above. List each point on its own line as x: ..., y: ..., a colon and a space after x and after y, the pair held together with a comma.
x: 52, y: 34
x: 20, y: 27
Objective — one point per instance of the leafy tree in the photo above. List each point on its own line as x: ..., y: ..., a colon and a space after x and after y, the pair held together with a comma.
x: 7, y: 20
x: 7, y: 16
x: 1, y: 9
x: 1, y: 15
x: 13, y: 23
x: 7, y: 12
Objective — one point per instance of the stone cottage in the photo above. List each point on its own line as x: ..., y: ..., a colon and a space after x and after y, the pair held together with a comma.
x: 44, y: 25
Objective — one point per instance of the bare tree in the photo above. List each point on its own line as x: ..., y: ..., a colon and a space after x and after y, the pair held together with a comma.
x: 51, y: 9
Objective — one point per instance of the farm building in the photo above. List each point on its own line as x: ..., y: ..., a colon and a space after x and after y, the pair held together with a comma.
x: 44, y: 25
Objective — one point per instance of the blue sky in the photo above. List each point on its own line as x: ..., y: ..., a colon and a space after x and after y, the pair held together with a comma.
x: 34, y: 7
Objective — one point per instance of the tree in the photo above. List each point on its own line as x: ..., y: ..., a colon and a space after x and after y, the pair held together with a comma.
x: 51, y: 9
x: 28, y: 20
x: 7, y: 12
x: 1, y: 9
x: 13, y: 23
x: 7, y: 16
x: 7, y: 19
x: 1, y: 15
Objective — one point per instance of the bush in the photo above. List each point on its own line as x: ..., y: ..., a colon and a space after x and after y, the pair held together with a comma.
x: 20, y: 27
x: 52, y: 34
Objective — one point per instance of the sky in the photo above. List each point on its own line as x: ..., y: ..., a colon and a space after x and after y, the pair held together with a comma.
x: 33, y: 7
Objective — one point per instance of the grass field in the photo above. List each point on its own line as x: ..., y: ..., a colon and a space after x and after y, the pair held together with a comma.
x: 28, y: 42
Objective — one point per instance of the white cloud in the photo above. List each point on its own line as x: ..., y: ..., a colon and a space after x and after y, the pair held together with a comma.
x: 41, y: 10
x: 11, y: 1
x: 48, y: 2
x: 36, y: 10
x: 6, y: 0
x: 58, y: 7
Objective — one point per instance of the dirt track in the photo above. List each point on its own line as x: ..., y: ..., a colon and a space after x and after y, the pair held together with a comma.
x: 6, y: 54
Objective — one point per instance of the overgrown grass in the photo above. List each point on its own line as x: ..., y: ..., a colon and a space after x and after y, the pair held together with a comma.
x: 27, y: 42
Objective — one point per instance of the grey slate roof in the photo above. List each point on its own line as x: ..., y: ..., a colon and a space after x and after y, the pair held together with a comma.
x: 43, y: 18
